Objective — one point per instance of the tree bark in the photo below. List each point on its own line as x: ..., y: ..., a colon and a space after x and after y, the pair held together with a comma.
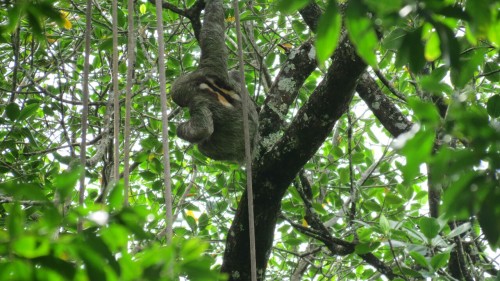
x: 276, y: 168
x: 382, y: 107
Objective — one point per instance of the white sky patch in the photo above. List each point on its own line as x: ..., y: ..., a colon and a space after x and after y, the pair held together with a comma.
x: 406, y: 10
x: 99, y: 217
x: 400, y: 141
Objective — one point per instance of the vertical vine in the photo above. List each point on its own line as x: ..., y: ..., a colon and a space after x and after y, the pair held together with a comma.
x: 85, y: 110
x: 116, y: 98
x: 128, y: 98
x: 248, y: 154
x: 164, y: 115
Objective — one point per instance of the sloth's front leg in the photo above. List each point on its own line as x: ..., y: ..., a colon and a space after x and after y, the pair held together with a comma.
x: 199, y: 127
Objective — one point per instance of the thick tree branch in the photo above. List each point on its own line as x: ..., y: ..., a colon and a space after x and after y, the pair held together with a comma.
x: 299, y: 65
x: 382, y: 107
x: 193, y: 14
x: 311, y: 14
x: 276, y: 168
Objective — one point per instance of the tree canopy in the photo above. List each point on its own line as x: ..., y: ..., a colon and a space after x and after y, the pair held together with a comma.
x: 378, y: 157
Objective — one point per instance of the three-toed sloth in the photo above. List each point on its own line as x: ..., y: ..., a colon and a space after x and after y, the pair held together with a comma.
x: 216, y: 121
x: 213, y: 96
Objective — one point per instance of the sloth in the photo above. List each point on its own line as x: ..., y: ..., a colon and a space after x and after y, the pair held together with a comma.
x: 213, y: 97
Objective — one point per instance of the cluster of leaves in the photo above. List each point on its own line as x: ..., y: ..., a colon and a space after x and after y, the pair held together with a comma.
x: 35, y: 13
x: 429, y: 50
x: 38, y: 243
x: 432, y: 52
x: 40, y: 92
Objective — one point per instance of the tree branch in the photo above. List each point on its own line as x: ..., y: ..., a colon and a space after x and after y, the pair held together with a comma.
x: 193, y: 14
x: 275, y: 169
x: 335, y: 245
x: 388, y: 84
x: 300, y: 64
x: 382, y: 107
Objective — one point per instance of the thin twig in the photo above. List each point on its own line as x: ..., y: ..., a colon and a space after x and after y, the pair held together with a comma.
x: 388, y: 84
x: 185, y: 194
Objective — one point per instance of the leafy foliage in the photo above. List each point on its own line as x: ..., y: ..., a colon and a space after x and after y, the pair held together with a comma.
x: 437, y: 61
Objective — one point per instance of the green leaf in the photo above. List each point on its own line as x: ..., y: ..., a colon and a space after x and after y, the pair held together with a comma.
x: 23, y: 191
x: 14, y: 16
x: 30, y: 247
x: 62, y: 267
x: 492, y: 71
x: 364, y: 234
x: 358, y: 158
x: 328, y: 34
x: 384, y: 7
x: 191, y: 222
x: 429, y: 227
x: 432, y: 47
x: 106, y: 44
x: 34, y: 21
x: 372, y: 205
x: 299, y: 26
x: 141, y: 156
x: 97, y: 245
x: 344, y: 175
x: 406, y: 192
x: 450, y: 49
x: 394, y: 39
x: 493, y: 106
x: 116, y: 196
x: 412, y: 51
x: 290, y: 6
x: 133, y: 219
x: 424, y: 141
x: 457, y: 197
x: 420, y: 259
x: 361, y: 31
x: 148, y: 175
x: 468, y: 68
x: 94, y: 264
x: 481, y: 12
x: 12, y: 111
x: 489, y: 216
x: 462, y: 228
x: 432, y: 83
x: 203, y: 221
x: 418, y: 148
x: 15, y: 221
x: 440, y: 260
x: 292, y: 241
x: 365, y: 248
x: 384, y: 225
x: 393, y: 199
x: 192, y: 249
x: 116, y: 236
x: 66, y: 181
x: 47, y: 9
